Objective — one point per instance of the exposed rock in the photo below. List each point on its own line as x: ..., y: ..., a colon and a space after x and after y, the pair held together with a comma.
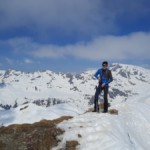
x: 70, y: 76
x: 7, y: 74
x: 79, y: 135
x: 115, y: 92
x: 91, y: 100
x: 75, y: 89
x: 115, y: 67
x: 6, y: 107
x: 25, y: 102
x: 23, y: 108
x: 15, y: 105
x: 49, y: 102
x: 79, y: 77
x: 141, y: 79
x: 135, y: 72
x: 132, y: 83
x: 123, y: 73
x: 2, y: 84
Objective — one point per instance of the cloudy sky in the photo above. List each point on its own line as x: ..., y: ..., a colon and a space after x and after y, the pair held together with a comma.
x: 73, y: 35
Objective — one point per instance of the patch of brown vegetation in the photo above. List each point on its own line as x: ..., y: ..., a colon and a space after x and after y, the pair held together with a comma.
x: 101, y: 106
x: 37, y: 136
x: 71, y: 145
x: 113, y: 111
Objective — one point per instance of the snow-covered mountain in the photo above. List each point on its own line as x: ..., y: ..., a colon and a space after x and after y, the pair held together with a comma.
x: 27, y: 94
x: 49, y: 88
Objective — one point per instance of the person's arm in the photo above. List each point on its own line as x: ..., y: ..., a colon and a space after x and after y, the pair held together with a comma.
x: 97, y: 73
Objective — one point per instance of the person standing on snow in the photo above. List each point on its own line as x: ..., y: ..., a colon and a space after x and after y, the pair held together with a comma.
x: 104, y: 77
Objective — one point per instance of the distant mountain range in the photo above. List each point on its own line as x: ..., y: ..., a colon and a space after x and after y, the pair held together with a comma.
x: 48, y: 88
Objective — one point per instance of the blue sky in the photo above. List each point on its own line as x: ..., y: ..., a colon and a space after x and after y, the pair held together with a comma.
x: 73, y: 35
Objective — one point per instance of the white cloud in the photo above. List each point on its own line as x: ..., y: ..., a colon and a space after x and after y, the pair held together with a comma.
x: 133, y: 46
x: 9, y: 61
x: 68, y: 15
x: 84, y: 16
x: 28, y: 61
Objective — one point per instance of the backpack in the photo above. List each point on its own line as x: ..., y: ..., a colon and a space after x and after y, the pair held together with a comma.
x: 107, y: 74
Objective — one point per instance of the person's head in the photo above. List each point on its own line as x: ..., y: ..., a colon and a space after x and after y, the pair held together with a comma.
x: 104, y: 64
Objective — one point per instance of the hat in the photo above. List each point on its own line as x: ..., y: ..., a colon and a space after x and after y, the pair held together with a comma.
x: 105, y: 63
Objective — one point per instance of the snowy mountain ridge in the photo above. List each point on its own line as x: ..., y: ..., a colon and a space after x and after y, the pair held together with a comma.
x: 129, y: 94
x: 49, y: 88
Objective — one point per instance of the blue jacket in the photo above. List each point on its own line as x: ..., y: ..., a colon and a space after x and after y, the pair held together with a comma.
x: 104, y: 75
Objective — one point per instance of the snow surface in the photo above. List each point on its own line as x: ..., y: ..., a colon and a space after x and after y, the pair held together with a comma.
x: 30, y: 113
x: 20, y: 87
x: 130, y: 130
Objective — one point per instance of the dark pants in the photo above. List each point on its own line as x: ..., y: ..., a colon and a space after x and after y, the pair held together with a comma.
x: 97, y: 93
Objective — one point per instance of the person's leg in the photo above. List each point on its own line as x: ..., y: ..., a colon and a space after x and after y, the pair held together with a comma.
x: 105, y: 99
x: 98, y: 91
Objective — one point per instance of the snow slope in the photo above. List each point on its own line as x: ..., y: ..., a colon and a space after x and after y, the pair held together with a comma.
x: 129, y: 93
x: 30, y: 113
x: 130, y: 130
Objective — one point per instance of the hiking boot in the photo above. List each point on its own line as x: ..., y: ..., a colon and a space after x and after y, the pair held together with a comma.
x: 95, y: 111
x: 105, y: 111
